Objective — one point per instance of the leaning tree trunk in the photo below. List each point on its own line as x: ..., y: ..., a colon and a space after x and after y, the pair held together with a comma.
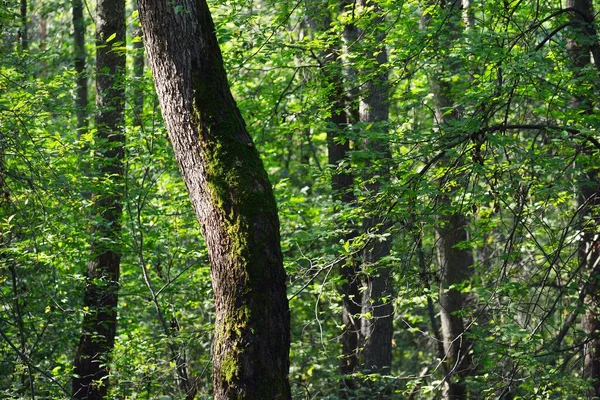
x: 231, y: 195
x: 102, y: 282
x: 377, y: 329
x: 582, y: 41
x: 455, y: 262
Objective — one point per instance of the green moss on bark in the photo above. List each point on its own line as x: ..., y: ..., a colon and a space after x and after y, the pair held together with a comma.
x: 241, y: 192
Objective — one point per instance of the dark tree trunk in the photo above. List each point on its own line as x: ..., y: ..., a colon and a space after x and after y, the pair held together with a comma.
x: 377, y: 330
x: 231, y: 195
x: 81, y: 89
x: 23, y: 33
x: 450, y: 228
x: 342, y: 183
x: 102, y: 282
x: 344, y: 114
x: 455, y: 266
x: 581, y: 42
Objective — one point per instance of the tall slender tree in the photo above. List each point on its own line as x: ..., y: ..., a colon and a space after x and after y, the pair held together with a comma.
x: 581, y: 43
x: 343, y: 115
x: 374, y: 108
x: 342, y: 182
x: 232, y: 198
x: 103, y: 270
x: 454, y: 260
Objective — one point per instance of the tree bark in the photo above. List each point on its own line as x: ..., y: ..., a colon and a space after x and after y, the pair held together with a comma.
x: 450, y: 228
x: 81, y: 88
x: 377, y: 326
x: 232, y: 198
x: 580, y: 44
x: 102, y: 281
x: 454, y: 265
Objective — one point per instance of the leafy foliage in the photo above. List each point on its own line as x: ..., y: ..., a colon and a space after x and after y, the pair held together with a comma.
x: 519, y: 156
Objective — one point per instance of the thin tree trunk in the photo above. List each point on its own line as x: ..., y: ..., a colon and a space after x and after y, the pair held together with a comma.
x: 377, y: 326
x: 582, y: 41
x: 450, y: 228
x: 455, y: 266
x: 102, y: 281
x: 81, y: 87
x: 23, y: 33
x: 231, y: 195
x: 344, y: 114
x: 341, y: 184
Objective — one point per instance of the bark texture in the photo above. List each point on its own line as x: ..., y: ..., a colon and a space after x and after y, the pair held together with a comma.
x: 232, y: 198
x: 450, y: 227
x: 377, y: 326
x: 102, y: 282
x: 581, y: 43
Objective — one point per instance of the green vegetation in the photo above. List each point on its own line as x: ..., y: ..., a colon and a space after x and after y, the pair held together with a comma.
x: 516, y: 155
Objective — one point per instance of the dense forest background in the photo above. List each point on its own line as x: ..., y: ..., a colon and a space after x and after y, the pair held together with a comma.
x: 436, y: 166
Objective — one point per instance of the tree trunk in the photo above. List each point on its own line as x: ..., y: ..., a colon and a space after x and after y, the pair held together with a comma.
x: 450, y: 228
x: 232, y: 198
x: 582, y: 41
x: 377, y: 326
x: 454, y: 269
x: 342, y: 183
x: 81, y: 89
x: 23, y: 33
x: 344, y: 113
x: 102, y: 281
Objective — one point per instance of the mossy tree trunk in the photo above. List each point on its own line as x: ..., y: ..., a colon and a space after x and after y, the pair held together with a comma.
x: 231, y: 195
x: 581, y: 43
x: 102, y: 281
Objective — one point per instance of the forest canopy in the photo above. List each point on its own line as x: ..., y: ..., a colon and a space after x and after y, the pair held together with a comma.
x: 432, y: 231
